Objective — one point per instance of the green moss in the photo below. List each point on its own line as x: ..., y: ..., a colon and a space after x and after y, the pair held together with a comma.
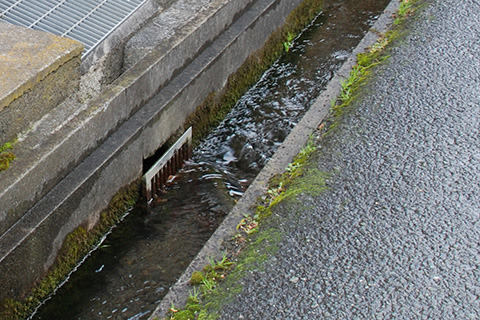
x: 12, y: 310
x: 184, y: 315
x: 5, y: 159
x: 287, y: 185
x: 75, y: 247
x: 196, y: 278
x: 261, y: 247
x: 5, y: 156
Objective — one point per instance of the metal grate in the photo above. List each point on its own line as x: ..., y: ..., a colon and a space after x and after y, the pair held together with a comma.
x: 167, y: 165
x: 87, y: 21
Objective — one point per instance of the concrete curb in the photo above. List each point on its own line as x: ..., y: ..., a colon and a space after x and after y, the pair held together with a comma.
x: 292, y: 145
x: 28, y: 57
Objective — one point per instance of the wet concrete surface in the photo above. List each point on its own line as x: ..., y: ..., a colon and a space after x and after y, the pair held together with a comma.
x: 396, y: 234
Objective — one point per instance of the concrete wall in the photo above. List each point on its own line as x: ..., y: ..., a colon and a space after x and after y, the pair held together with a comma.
x: 104, y: 145
x: 37, y: 72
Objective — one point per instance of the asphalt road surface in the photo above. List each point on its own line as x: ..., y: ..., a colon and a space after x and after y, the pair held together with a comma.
x: 397, y: 233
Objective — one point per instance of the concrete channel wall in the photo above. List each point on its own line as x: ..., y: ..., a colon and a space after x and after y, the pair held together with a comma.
x: 76, y: 158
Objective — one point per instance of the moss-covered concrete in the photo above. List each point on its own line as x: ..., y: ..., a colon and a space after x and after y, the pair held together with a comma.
x: 75, y: 247
x: 37, y: 71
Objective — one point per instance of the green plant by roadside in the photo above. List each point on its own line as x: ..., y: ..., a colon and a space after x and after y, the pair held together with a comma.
x: 365, y: 62
x: 288, y: 42
x: 212, y: 273
x: 374, y: 55
x: 204, y: 283
x: 406, y: 9
x: 6, y: 146
x: 193, y: 309
x: 279, y: 188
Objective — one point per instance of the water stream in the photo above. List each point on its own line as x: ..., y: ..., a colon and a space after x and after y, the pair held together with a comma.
x: 144, y: 255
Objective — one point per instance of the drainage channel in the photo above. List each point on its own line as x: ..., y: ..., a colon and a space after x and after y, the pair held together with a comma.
x: 129, y: 274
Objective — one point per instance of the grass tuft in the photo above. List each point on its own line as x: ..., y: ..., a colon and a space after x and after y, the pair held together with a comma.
x: 373, y: 56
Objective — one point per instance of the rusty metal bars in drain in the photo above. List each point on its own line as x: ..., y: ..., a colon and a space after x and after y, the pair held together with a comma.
x: 167, y: 165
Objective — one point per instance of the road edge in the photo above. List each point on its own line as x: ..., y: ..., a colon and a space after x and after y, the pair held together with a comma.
x: 292, y: 145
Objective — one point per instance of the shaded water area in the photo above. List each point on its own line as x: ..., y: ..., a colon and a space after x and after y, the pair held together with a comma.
x: 144, y: 255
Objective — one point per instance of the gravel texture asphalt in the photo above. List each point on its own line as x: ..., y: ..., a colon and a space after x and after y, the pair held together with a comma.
x: 397, y: 232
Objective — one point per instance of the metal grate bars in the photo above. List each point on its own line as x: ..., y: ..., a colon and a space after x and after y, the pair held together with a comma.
x: 87, y: 21
x: 167, y: 165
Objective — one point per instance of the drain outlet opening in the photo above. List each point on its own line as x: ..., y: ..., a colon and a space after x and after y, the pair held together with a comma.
x: 168, y: 164
x: 149, y: 162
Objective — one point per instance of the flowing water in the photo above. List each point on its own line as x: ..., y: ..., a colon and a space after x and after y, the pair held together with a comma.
x: 144, y: 255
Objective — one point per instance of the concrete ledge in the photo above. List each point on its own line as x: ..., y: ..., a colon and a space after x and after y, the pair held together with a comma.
x: 108, y: 55
x: 181, y: 17
x: 37, y: 71
x: 102, y: 147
